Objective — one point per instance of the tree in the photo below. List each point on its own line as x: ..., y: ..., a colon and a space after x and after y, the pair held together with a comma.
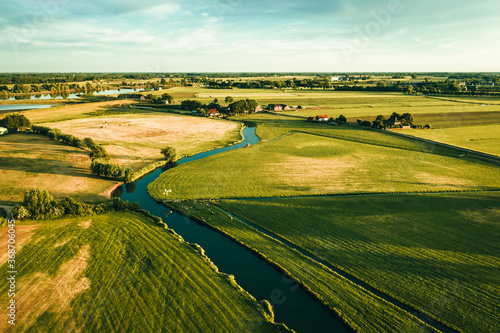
x: 407, y: 118
x: 98, y: 152
x: 229, y: 99
x: 341, y: 119
x: 129, y: 176
x: 167, y: 97
x: 380, y: 117
x: 38, y: 203
x: 216, y: 100
x: 15, y: 122
x: 251, y: 104
x: 170, y: 154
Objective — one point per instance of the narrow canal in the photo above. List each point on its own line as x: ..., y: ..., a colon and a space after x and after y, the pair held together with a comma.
x: 292, y: 306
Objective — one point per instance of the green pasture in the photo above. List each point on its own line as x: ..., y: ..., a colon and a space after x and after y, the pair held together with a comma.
x: 360, y: 309
x: 306, y: 164
x: 121, y: 273
x: 438, y: 253
x: 484, y: 138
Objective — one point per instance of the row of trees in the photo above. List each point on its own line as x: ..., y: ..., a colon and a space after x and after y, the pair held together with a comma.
x: 39, y: 204
x: 240, y: 106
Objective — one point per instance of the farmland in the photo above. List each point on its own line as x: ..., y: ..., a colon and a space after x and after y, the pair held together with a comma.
x: 134, y: 139
x: 438, y: 253
x: 30, y: 160
x: 89, y: 275
x: 483, y: 138
x: 305, y: 164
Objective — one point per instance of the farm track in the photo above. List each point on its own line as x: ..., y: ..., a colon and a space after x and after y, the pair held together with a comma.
x: 415, y: 312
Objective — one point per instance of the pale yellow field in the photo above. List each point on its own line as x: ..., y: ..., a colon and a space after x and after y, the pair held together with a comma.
x: 135, y: 140
x: 30, y: 160
x: 73, y: 111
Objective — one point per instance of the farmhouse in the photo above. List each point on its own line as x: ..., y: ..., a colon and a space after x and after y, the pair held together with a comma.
x: 285, y: 107
x: 275, y: 107
x: 310, y: 119
x: 405, y: 126
x: 3, y: 131
x: 322, y: 117
x: 143, y: 98
x: 213, y: 113
x: 258, y: 108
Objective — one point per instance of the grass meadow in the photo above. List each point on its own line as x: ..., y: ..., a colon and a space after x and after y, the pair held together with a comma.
x: 484, y: 138
x: 306, y: 164
x: 361, y: 310
x: 30, y: 160
x: 121, y: 273
x: 436, y: 252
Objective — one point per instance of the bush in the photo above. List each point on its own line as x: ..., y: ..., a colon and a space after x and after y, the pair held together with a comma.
x: 20, y: 212
x: 119, y: 205
x: 3, y: 213
x: 98, y: 152
x: 366, y: 123
x: 40, y: 129
x: 54, y: 134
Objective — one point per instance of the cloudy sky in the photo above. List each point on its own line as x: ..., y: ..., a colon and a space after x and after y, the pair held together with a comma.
x: 249, y: 35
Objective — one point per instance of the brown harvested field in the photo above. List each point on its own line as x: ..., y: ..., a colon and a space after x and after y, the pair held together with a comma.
x: 23, y: 236
x: 135, y: 140
x: 31, y: 160
x: 42, y: 292
x: 74, y: 111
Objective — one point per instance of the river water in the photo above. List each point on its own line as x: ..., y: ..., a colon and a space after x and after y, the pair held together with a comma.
x: 292, y: 306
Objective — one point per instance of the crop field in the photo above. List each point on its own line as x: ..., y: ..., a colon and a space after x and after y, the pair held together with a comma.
x: 134, y: 140
x: 438, y: 253
x: 484, y: 138
x: 30, y: 160
x: 305, y: 164
x: 119, y: 272
x: 361, y: 310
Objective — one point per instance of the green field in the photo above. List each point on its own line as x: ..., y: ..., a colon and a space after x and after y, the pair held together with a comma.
x: 484, y: 138
x: 439, y: 253
x: 305, y: 164
x: 361, y: 310
x: 121, y: 273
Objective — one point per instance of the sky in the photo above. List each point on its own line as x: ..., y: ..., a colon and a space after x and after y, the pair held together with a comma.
x: 250, y: 36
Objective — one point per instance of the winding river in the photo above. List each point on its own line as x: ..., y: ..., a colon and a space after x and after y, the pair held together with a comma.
x: 292, y: 306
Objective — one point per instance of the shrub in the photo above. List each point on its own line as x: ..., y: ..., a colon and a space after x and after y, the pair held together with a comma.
x: 366, y: 123
x: 103, y: 168
x: 54, y: 134
x: 20, y: 212
x: 3, y: 213
x: 98, y: 152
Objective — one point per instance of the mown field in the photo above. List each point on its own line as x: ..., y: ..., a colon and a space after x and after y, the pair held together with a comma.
x: 306, y: 164
x: 135, y: 140
x: 484, y: 138
x: 31, y: 160
x: 437, y: 252
x: 121, y: 273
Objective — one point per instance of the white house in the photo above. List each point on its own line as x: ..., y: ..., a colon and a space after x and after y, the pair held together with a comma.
x: 3, y: 131
x: 335, y: 78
